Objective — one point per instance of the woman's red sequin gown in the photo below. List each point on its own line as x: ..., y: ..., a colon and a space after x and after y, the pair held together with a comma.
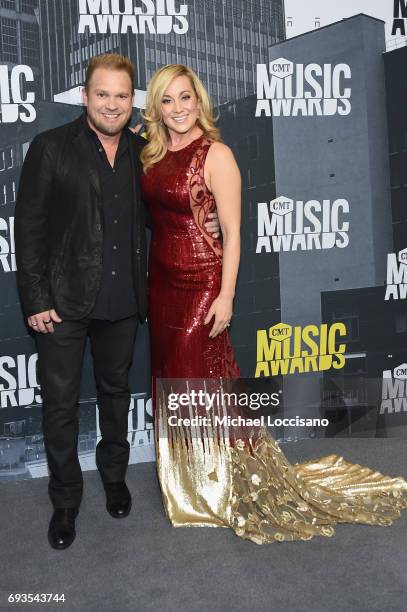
x: 185, y: 269
x: 209, y: 477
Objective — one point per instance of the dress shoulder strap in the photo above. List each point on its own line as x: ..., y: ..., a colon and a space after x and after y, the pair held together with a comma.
x: 201, y: 200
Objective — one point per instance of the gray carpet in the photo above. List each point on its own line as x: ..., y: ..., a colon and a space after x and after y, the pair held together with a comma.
x: 142, y: 563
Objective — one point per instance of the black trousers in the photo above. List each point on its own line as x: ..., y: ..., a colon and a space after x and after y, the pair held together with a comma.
x: 60, y: 361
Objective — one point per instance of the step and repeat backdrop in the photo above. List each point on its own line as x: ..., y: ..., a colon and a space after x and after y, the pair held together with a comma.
x: 314, y: 105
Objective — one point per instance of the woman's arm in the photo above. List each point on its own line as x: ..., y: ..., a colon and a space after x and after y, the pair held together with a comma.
x: 222, y: 177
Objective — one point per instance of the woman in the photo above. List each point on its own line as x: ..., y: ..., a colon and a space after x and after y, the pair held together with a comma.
x: 209, y: 475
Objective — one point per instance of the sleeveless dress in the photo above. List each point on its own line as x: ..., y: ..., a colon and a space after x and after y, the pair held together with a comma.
x: 211, y: 475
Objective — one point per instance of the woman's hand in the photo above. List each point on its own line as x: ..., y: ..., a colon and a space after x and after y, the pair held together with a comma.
x: 136, y: 128
x: 221, y: 309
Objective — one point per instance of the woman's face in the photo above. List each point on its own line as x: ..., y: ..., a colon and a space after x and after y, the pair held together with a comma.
x: 180, y: 105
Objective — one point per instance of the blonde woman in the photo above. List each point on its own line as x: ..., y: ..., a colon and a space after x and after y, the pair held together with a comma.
x: 209, y: 475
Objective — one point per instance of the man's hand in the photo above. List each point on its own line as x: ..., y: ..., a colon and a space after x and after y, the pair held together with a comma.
x: 212, y: 226
x: 44, y: 321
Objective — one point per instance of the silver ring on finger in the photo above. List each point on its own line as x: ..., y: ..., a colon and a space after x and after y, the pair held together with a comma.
x: 47, y: 322
x: 34, y: 324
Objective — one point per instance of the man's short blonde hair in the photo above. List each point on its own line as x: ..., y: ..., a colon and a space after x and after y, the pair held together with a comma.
x: 110, y: 61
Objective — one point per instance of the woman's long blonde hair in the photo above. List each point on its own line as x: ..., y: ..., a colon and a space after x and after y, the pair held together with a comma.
x: 157, y: 134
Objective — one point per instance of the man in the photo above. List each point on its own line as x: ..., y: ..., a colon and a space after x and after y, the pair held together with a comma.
x: 81, y: 259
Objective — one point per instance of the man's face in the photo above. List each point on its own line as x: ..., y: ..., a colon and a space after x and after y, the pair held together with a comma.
x: 109, y: 100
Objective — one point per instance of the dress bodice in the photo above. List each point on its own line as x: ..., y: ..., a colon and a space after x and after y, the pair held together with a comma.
x: 178, y: 198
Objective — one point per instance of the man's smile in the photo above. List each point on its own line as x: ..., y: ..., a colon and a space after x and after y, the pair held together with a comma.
x: 111, y: 116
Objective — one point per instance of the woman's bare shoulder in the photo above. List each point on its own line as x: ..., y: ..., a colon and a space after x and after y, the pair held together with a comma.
x: 219, y: 152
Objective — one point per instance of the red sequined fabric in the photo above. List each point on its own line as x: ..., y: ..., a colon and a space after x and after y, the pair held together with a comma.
x: 185, y: 268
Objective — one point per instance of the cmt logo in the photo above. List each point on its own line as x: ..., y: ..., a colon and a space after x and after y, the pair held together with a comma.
x: 401, y: 371
x: 280, y: 331
x: 18, y: 381
x: 281, y: 68
x: 14, y: 104
x: 283, y: 225
x: 7, y: 246
x: 399, y: 17
x: 287, y: 89
x: 396, y: 281
x: 138, y: 16
x: 281, y: 206
x: 394, y: 390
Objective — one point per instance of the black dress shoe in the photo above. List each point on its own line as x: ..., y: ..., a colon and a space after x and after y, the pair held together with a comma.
x: 61, y: 532
x: 118, y: 499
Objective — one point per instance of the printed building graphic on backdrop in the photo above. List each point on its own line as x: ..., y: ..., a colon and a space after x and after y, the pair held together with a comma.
x: 22, y: 451
x: 328, y: 218
x: 314, y: 159
x: 224, y: 40
x: 396, y: 88
x: 376, y: 343
x: 20, y: 37
x: 345, y: 156
x: 307, y: 16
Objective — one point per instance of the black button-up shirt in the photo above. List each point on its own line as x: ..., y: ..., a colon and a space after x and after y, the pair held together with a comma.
x: 117, y: 297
